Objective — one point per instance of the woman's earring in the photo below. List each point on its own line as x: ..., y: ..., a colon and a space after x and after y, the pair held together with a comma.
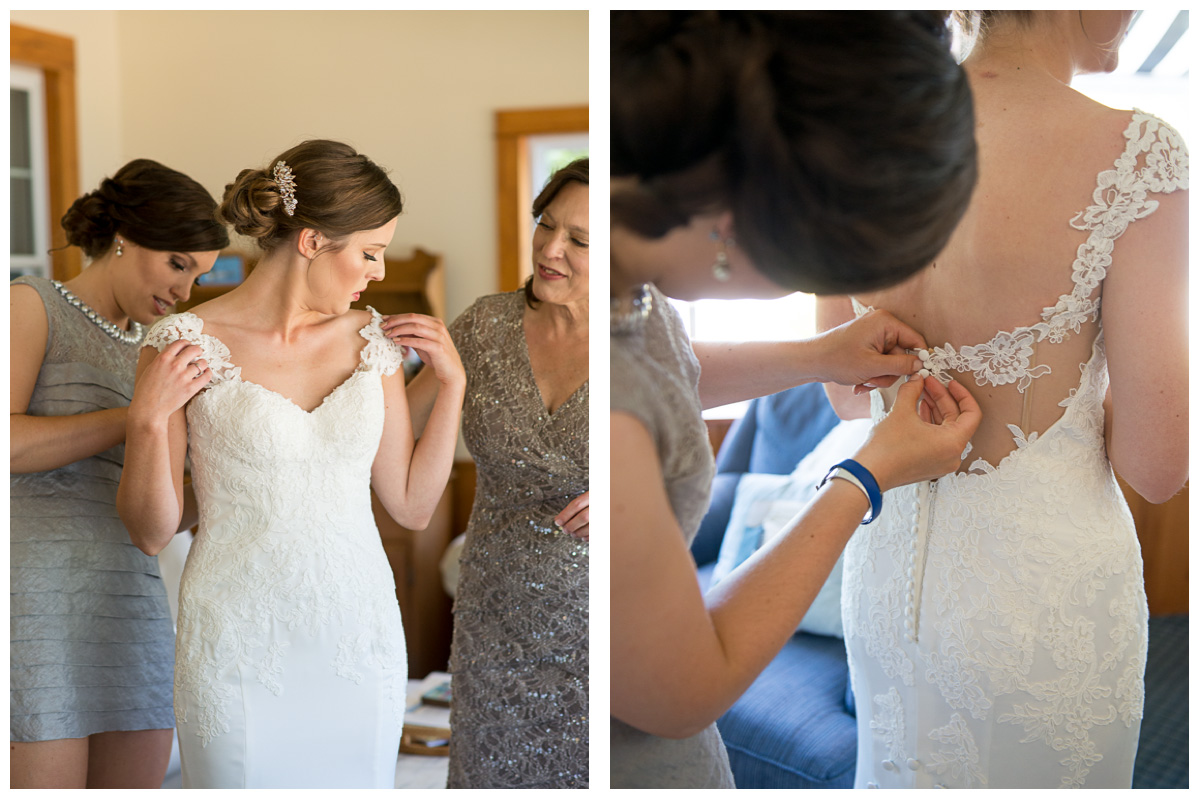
x: 119, y: 246
x: 720, y: 268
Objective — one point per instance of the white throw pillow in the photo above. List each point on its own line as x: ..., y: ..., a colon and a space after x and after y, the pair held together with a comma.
x: 764, y: 505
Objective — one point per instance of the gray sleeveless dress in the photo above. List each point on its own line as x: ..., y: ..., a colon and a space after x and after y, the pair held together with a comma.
x: 92, y: 645
x: 520, y: 652
x: 655, y: 377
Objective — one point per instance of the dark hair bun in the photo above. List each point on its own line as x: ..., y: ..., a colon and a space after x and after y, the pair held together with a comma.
x: 88, y: 224
x: 337, y: 191
x: 250, y: 202
x: 152, y: 205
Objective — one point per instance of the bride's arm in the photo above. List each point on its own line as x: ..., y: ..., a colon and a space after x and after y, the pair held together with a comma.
x: 1145, y: 315
x: 150, y: 495
x: 410, y: 477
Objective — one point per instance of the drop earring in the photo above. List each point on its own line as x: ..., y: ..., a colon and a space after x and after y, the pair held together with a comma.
x: 720, y: 267
x: 120, y: 244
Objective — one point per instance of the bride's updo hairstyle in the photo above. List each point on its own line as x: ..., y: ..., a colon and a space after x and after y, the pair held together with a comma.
x: 152, y: 206
x: 842, y: 142
x: 335, y: 190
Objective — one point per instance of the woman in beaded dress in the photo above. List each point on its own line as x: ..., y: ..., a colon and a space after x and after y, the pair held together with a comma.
x: 92, y: 642
x: 519, y: 717
x: 755, y: 153
x: 995, y: 618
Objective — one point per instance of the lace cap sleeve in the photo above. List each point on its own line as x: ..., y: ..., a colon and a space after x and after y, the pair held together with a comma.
x: 189, y: 327
x: 172, y: 328
x: 381, y: 353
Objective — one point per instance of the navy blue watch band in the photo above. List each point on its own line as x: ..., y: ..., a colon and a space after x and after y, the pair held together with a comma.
x: 865, y: 481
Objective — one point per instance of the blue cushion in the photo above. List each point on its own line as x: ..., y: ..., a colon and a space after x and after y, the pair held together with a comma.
x: 776, y: 432
x: 791, y: 728
x: 789, y: 425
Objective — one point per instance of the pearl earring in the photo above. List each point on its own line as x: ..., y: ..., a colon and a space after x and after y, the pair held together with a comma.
x: 720, y: 268
x: 120, y: 244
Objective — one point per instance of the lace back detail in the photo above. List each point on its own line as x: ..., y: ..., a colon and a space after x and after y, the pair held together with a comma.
x: 1121, y: 196
x: 1154, y: 160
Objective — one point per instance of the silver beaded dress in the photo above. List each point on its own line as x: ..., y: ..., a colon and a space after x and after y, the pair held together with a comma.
x: 519, y: 717
x: 92, y: 645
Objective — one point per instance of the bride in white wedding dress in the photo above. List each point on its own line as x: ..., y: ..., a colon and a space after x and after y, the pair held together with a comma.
x: 290, y: 660
x: 996, y: 618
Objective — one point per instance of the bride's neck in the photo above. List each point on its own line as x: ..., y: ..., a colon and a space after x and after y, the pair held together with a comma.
x: 277, y: 289
x: 1037, y: 50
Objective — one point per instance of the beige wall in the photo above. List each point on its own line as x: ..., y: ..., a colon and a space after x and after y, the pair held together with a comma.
x: 98, y: 84
x: 210, y: 93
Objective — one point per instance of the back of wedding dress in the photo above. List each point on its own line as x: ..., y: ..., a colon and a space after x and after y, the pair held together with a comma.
x: 995, y: 619
x: 1012, y: 307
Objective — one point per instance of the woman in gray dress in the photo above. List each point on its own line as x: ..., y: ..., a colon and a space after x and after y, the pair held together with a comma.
x: 519, y: 717
x: 757, y: 153
x: 92, y: 643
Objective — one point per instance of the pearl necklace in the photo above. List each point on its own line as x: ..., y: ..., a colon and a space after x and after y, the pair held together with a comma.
x: 131, y: 336
x: 627, y: 315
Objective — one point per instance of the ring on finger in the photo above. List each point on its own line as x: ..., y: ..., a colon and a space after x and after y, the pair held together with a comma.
x: 199, y: 372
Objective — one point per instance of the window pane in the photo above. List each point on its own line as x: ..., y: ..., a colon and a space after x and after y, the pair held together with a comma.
x: 21, y: 218
x: 18, y: 124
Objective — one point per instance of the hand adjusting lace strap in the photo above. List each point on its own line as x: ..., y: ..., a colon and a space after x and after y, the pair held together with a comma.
x: 854, y: 472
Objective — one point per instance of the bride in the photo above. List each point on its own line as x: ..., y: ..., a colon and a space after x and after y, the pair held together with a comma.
x: 996, y: 618
x: 290, y: 661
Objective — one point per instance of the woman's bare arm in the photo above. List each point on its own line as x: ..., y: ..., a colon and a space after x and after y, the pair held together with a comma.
x: 1145, y: 316
x: 850, y: 402
x: 867, y: 350
x: 150, y: 495
x: 410, y: 475
x: 41, y: 443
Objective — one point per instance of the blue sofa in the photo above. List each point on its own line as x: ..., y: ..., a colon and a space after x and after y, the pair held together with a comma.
x: 795, y: 726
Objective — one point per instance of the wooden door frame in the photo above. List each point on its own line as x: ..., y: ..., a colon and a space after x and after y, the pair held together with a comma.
x: 514, y: 194
x: 54, y: 55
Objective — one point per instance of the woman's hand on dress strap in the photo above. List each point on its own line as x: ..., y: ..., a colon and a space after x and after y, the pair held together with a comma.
x: 173, y: 378
x: 924, y: 435
x: 574, y: 518
x: 869, y: 352
x: 429, y: 337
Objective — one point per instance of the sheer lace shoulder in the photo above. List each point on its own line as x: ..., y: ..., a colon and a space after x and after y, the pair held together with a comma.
x: 1154, y: 160
x: 189, y: 327
x: 381, y: 354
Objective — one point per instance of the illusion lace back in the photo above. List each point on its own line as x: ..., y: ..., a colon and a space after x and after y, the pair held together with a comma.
x: 520, y: 651
x: 290, y: 659
x: 996, y: 619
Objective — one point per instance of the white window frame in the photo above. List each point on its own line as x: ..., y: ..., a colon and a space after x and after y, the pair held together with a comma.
x: 32, y: 81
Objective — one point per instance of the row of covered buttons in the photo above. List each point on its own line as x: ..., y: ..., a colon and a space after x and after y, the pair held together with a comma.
x: 890, y: 766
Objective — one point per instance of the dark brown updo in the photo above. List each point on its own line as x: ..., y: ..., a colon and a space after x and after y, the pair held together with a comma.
x: 841, y: 142
x: 576, y: 171
x: 150, y: 205
x: 338, y: 192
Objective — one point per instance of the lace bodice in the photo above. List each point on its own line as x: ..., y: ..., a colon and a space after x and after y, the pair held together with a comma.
x: 1154, y: 160
x: 287, y: 539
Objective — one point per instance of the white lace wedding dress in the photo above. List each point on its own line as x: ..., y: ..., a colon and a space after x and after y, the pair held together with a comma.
x: 290, y: 661
x: 996, y: 619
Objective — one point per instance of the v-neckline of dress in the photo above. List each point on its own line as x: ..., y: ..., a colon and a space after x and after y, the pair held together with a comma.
x: 528, y: 360
x: 229, y: 363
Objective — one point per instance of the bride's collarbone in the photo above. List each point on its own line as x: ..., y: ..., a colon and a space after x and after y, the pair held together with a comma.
x: 305, y: 370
